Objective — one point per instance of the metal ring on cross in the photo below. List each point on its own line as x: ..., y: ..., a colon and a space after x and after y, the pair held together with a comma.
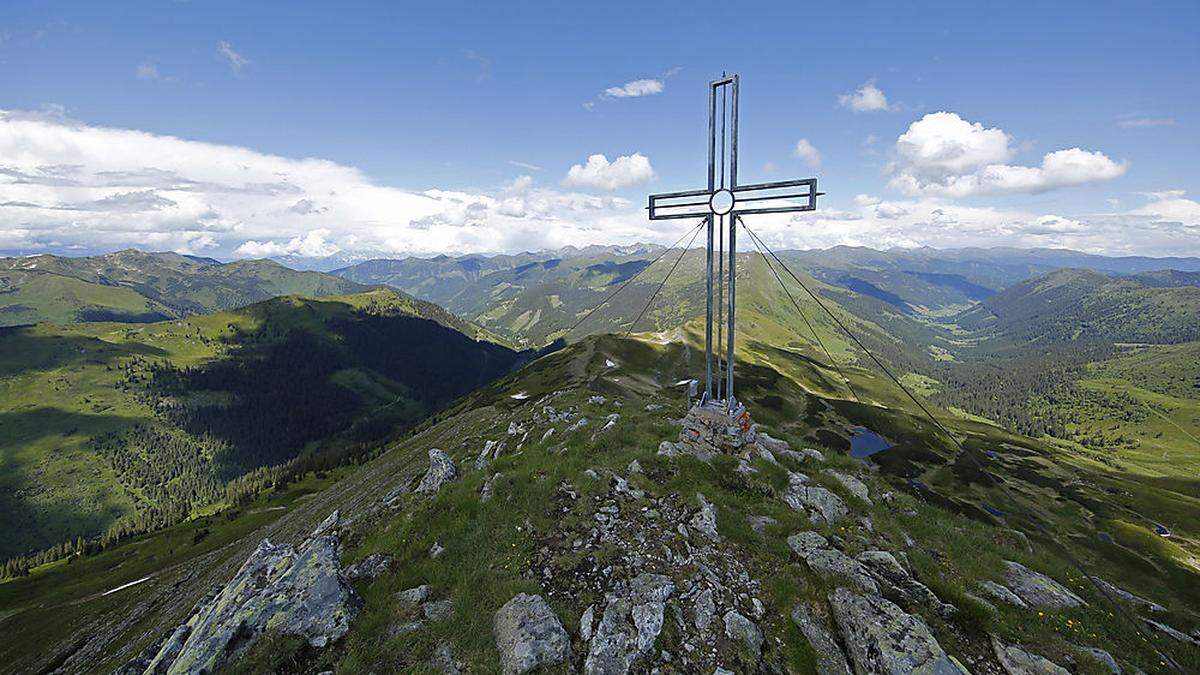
x: 721, y: 202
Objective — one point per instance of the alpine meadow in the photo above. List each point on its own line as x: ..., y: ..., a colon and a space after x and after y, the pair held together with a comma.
x: 544, y: 338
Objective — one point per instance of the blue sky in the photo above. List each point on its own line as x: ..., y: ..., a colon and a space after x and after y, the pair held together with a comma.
x: 428, y: 117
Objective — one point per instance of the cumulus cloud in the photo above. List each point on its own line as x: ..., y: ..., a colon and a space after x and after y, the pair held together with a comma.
x: 808, y: 152
x: 635, y: 88
x: 944, y: 155
x: 236, y: 61
x: 867, y: 98
x: 67, y: 185
x: 622, y: 172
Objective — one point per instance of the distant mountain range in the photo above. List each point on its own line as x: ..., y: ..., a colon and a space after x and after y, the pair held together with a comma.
x: 132, y: 286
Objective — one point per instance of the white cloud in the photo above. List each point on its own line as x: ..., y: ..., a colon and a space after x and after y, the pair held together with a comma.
x: 66, y: 185
x: 148, y: 71
x: 236, y: 60
x: 635, y: 88
x: 867, y: 98
x: 808, y: 152
x: 944, y: 155
x: 622, y: 172
x: 524, y: 165
x: 866, y: 200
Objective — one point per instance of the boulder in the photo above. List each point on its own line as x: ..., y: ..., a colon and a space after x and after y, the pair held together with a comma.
x: 744, y: 633
x: 297, y: 591
x: 822, y: 506
x: 1148, y: 605
x: 830, y: 563
x: 705, y: 520
x: 1173, y: 633
x: 855, y: 486
x: 1017, y: 661
x: 1002, y: 593
x: 529, y: 635
x: 489, y: 488
x: 1039, y: 590
x: 413, y: 596
x: 830, y: 659
x: 1101, y: 657
x: 370, y: 567
x: 441, y: 471
x: 882, y: 638
x: 898, y: 583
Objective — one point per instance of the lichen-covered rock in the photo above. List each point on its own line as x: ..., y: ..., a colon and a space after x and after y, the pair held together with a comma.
x: 1148, y: 605
x: 830, y: 563
x: 529, y: 635
x: 441, y: 471
x: 294, y: 591
x: 822, y: 506
x: 744, y: 633
x: 882, y: 638
x: 629, y: 625
x: 370, y: 567
x: 705, y: 520
x: 830, y: 659
x: 1037, y: 589
x: 1017, y: 661
x: 413, y: 596
x: 855, y: 486
x: 1102, y: 658
x: 899, y: 584
x: 1002, y: 593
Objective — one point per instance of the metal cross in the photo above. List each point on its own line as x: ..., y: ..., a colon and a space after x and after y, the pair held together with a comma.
x: 724, y: 201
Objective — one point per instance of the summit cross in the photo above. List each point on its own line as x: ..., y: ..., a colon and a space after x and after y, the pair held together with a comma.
x: 724, y: 202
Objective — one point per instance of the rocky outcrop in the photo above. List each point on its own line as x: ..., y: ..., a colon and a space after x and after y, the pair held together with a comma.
x: 629, y: 625
x: 820, y: 505
x: 831, y: 564
x: 1037, y: 589
x: 1017, y: 661
x: 830, y: 659
x: 1137, y: 600
x: 296, y: 591
x: 744, y: 634
x: 1002, y: 593
x: 709, y: 429
x: 899, y: 585
x: 882, y: 638
x: 529, y: 635
x: 441, y: 471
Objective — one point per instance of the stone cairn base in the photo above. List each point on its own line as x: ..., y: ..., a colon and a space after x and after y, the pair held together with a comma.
x: 710, y: 429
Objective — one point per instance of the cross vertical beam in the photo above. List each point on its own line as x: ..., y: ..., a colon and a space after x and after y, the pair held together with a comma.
x: 721, y: 205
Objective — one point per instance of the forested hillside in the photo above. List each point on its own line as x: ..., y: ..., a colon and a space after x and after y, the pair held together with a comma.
x: 113, y: 429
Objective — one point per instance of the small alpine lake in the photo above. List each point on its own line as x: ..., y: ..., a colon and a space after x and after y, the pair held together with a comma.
x: 864, y: 442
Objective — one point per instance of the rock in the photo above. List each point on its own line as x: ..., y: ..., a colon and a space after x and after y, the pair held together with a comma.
x: 854, y: 485
x: 546, y: 436
x: 585, y: 623
x: 413, y: 596
x: 770, y: 444
x: 705, y: 609
x: 635, y: 467
x: 443, y: 660
x: 436, y: 550
x: 830, y: 563
x: 1148, y: 605
x: 822, y: 506
x: 759, y: 523
x: 705, y: 520
x: 899, y: 583
x: 1002, y: 593
x: 370, y: 567
x: 441, y: 471
x: 1039, y: 590
x: 529, y: 635
x: 611, y: 421
x: 1172, y: 632
x: 744, y: 633
x: 1101, y: 657
x: 830, y: 660
x: 438, y: 610
x: 882, y: 638
x: 491, y: 450
x: 804, y: 543
x: 489, y: 488
x: 744, y: 467
x: 579, y: 424
x: 515, y: 429
x: 294, y: 591
x: 591, y: 473
x: 667, y: 449
x: 597, y: 400
x: 1017, y: 661
x: 651, y: 407
x: 630, y: 624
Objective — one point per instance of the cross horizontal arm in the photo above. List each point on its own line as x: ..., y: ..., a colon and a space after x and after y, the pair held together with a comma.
x: 773, y: 197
